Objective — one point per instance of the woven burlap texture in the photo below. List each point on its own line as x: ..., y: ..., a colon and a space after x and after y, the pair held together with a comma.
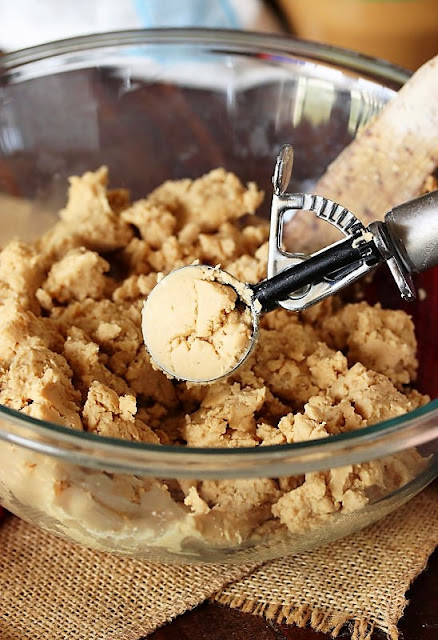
x: 360, y: 580
x: 53, y: 590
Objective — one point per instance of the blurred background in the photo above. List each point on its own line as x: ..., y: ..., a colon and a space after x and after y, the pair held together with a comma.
x: 404, y: 32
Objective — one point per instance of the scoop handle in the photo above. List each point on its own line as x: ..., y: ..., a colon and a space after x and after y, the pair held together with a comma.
x: 413, y: 227
x: 346, y: 253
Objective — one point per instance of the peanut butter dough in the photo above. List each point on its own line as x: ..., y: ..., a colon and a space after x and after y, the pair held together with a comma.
x: 72, y: 352
x: 193, y: 325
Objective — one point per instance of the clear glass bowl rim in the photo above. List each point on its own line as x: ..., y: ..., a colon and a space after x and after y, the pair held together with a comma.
x: 409, y: 430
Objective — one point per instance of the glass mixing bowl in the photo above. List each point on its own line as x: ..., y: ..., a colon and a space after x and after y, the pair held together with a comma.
x: 154, y: 105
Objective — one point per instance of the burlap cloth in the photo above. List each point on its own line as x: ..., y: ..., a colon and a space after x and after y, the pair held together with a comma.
x: 53, y: 590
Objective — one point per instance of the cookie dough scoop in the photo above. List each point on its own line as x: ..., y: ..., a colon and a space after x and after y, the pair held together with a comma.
x: 200, y: 323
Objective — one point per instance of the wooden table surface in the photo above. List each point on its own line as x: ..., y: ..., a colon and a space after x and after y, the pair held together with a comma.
x: 216, y: 622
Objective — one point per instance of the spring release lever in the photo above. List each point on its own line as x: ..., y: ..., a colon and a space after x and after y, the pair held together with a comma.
x: 407, y: 240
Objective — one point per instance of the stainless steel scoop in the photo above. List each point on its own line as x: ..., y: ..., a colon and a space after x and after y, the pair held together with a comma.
x: 407, y: 241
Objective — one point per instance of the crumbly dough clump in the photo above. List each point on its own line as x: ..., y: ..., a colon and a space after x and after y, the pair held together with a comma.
x: 72, y: 352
